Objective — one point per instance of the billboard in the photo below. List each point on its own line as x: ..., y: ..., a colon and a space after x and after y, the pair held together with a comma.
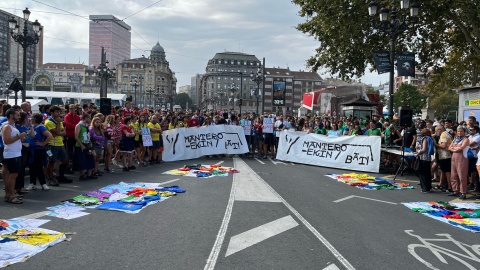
x: 279, y: 89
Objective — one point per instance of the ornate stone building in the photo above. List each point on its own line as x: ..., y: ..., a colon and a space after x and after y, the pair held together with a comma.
x: 224, y: 70
x: 148, y: 81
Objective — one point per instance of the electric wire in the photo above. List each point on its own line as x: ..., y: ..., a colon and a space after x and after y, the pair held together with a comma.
x: 141, y: 10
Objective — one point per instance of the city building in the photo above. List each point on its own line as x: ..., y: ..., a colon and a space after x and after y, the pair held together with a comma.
x: 11, y: 53
x: 420, y: 80
x: 195, y: 81
x: 184, y: 89
x: 285, y: 88
x: 148, y: 81
x: 62, y: 71
x: 111, y: 33
x: 226, y: 80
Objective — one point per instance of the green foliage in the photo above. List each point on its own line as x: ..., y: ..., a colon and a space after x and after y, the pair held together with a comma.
x: 372, y: 91
x: 182, y: 99
x: 446, y: 34
x: 444, y: 101
x: 408, y: 95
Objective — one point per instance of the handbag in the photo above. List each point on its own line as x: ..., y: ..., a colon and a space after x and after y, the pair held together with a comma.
x: 470, y: 154
x: 416, y: 165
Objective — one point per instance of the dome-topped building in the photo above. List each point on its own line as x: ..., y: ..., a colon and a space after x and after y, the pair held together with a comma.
x: 156, y: 82
x: 158, y: 53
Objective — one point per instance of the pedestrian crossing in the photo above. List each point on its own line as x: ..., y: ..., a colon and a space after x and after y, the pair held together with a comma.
x: 273, y: 161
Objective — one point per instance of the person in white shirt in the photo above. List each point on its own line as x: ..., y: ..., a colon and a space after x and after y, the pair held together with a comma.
x: 12, y: 139
x: 280, y: 125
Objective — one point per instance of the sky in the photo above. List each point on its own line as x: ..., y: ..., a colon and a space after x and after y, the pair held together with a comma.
x: 190, y: 31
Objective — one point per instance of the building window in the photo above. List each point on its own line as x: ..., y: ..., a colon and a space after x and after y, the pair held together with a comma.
x: 298, y: 82
x: 318, y: 83
x: 60, y: 74
x: 60, y: 80
x: 68, y: 73
x: 268, y: 79
x: 218, y: 86
x: 289, y: 87
x: 289, y: 80
x: 268, y: 93
x: 268, y: 86
x: 141, y: 65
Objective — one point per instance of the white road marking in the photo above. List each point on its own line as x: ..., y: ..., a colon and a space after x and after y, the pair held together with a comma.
x: 35, y: 215
x: 250, y: 186
x: 320, y: 237
x: 353, y: 196
x: 276, y: 162
x: 331, y: 267
x: 260, y: 161
x: 212, y: 259
x: 169, y: 181
x: 292, y: 163
x: 256, y: 235
x: 220, y: 162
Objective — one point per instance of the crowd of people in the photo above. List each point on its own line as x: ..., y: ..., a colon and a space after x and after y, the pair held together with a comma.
x: 61, y: 140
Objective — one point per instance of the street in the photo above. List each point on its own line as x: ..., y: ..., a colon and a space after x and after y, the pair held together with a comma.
x: 271, y: 215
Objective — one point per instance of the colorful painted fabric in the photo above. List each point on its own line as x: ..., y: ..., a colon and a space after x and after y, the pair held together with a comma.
x: 100, y: 195
x: 464, y: 221
x: 175, y: 189
x: 33, y: 237
x: 123, y: 206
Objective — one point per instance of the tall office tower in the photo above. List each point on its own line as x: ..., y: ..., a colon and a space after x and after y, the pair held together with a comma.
x: 111, y: 33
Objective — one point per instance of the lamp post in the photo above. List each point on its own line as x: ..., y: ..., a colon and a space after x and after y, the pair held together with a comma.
x: 104, y: 72
x: 257, y: 78
x: 134, y: 84
x: 25, y: 40
x: 150, y: 91
x: 393, y: 28
x: 233, y: 90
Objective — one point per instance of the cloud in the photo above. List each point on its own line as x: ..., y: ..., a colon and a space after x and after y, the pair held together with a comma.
x: 190, y: 31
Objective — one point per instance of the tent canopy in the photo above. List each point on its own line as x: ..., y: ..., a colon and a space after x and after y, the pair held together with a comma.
x: 34, y: 102
x: 63, y: 97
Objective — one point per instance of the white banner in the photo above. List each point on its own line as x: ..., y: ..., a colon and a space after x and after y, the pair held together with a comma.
x: 189, y: 143
x: 353, y: 153
x: 267, y: 125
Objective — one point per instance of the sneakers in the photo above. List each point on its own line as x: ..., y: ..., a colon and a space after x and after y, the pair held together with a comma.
x: 462, y: 197
x: 45, y: 187
x: 125, y: 169
x: 132, y: 167
x: 114, y: 162
x: 31, y: 187
x: 92, y: 177
x: 53, y: 183
x: 108, y: 170
x: 82, y: 177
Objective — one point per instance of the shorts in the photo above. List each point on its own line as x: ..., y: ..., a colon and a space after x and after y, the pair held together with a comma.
x: 98, y: 151
x: 106, y: 142
x: 82, y: 160
x: 1, y: 153
x: 445, y: 165
x: 259, y: 137
x: 269, y: 139
x: 13, y: 164
x: 58, y: 153
x: 471, y: 165
x: 155, y: 145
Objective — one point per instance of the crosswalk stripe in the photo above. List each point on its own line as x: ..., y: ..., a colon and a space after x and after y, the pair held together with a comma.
x: 261, y: 233
x: 263, y: 163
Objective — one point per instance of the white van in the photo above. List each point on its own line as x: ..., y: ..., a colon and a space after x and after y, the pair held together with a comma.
x: 177, y: 108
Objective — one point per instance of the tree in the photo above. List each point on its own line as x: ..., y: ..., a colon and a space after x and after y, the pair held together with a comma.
x: 182, y: 99
x: 372, y: 91
x: 408, y: 95
x: 444, y: 102
x: 447, y: 34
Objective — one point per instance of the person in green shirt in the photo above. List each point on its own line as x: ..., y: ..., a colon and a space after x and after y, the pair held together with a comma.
x: 373, y: 131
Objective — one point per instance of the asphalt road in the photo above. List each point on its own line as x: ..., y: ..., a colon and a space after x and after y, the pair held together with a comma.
x: 275, y: 215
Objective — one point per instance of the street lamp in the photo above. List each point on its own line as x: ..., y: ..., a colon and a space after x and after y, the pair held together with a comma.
x: 393, y: 28
x: 257, y: 78
x: 134, y: 84
x: 104, y: 72
x: 25, y: 40
x: 150, y: 91
x: 233, y: 90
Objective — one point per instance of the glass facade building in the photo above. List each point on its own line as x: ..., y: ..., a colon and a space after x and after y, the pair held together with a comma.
x: 111, y: 33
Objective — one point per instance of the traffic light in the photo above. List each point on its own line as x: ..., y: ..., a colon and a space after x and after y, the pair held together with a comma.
x: 240, y: 102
